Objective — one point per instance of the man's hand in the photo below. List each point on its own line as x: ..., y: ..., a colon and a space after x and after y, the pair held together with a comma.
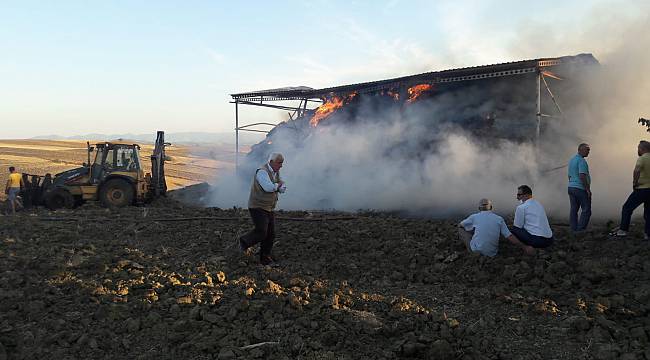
x: 281, y: 187
x: 589, y: 193
x: 529, y: 250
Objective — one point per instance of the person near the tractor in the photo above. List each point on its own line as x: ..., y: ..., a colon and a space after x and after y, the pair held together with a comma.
x: 12, y: 189
x: 263, y: 198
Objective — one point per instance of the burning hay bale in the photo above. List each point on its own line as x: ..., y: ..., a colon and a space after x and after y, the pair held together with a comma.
x: 496, y: 122
x: 496, y: 102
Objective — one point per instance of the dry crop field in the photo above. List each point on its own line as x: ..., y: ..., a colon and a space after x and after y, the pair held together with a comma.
x: 189, y: 165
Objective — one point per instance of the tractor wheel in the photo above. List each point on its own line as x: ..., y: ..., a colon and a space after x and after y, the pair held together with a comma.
x: 116, y: 193
x: 59, y: 198
x: 78, y: 201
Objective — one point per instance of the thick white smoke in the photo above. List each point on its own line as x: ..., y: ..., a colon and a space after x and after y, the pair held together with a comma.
x: 381, y: 165
x: 358, y: 167
x: 613, y: 99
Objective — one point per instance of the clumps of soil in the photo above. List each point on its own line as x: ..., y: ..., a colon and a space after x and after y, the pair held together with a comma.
x: 167, y: 282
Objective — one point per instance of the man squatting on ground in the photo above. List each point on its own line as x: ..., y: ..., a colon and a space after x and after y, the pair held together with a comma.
x: 12, y: 189
x: 531, y: 225
x: 261, y: 204
x: 579, y: 189
x: 480, y: 232
x: 640, y: 192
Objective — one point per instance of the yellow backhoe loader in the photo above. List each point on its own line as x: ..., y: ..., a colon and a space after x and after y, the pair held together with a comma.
x: 115, y: 178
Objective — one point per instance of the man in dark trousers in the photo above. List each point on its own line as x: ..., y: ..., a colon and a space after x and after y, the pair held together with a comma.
x: 263, y: 198
x: 531, y: 225
x: 640, y: 193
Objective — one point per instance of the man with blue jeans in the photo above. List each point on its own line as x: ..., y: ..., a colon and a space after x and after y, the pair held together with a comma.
x: 531, y: 225
x: 640, y: 192
x: 580, y: 189
x: 12, y: 189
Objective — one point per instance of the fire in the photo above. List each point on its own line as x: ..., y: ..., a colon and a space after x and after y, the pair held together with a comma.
x: 326, y: 109
x: 417, y: 90
x: 394, y: 95
x: 331, y: 105
x: 551, y: 75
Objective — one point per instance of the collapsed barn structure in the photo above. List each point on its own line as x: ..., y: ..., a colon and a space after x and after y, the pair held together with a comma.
x: 502, y: 101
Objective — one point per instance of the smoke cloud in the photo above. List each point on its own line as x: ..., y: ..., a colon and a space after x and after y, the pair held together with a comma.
x: 410, y: 160
x: 612, y: 100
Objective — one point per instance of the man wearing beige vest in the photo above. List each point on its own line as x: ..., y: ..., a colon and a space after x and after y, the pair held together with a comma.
x: 261, y: 203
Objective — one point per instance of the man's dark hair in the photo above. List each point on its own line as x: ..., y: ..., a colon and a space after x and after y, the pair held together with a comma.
x: 11, y: 169
x: 525, y: 189
x: 645, y: 145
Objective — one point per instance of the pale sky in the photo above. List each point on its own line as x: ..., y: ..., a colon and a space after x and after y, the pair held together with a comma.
x: 78, y: 67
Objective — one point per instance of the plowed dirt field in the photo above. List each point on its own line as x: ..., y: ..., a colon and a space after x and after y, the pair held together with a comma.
x: 166, y: 282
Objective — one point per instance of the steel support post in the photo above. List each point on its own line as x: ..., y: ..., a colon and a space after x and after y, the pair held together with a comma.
x: 539, y: 107
x: 236, y: 135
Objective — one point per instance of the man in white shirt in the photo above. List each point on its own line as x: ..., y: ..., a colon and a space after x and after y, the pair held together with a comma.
x: 531, y: 224
x: 261, y: 203
x: 480, y: 232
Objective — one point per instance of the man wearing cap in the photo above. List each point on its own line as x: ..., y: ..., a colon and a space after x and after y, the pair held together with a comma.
x: 480, y: 232
x: 263, y: 198
x: 12, y: 189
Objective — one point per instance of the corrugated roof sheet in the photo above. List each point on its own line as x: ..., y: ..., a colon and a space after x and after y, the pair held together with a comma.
x: 459, y: 74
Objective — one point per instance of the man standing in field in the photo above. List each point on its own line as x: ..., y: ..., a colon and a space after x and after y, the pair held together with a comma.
x: 263, y: 198
x: 640, y: 192
x: 14, y: 183
x: 579, y: 189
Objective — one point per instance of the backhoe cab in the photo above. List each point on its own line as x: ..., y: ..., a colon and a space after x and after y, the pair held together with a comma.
x: 115, y: 178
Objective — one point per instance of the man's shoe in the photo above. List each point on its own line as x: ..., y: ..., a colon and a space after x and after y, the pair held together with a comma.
x: 618, y: 233
x: 267, y: 260
x: 242, y: 246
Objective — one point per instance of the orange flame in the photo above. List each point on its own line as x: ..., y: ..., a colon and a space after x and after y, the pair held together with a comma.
x: 417, y: 90
x: 326, y: 109
x: 329, y: 107
x: 551, y: 75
